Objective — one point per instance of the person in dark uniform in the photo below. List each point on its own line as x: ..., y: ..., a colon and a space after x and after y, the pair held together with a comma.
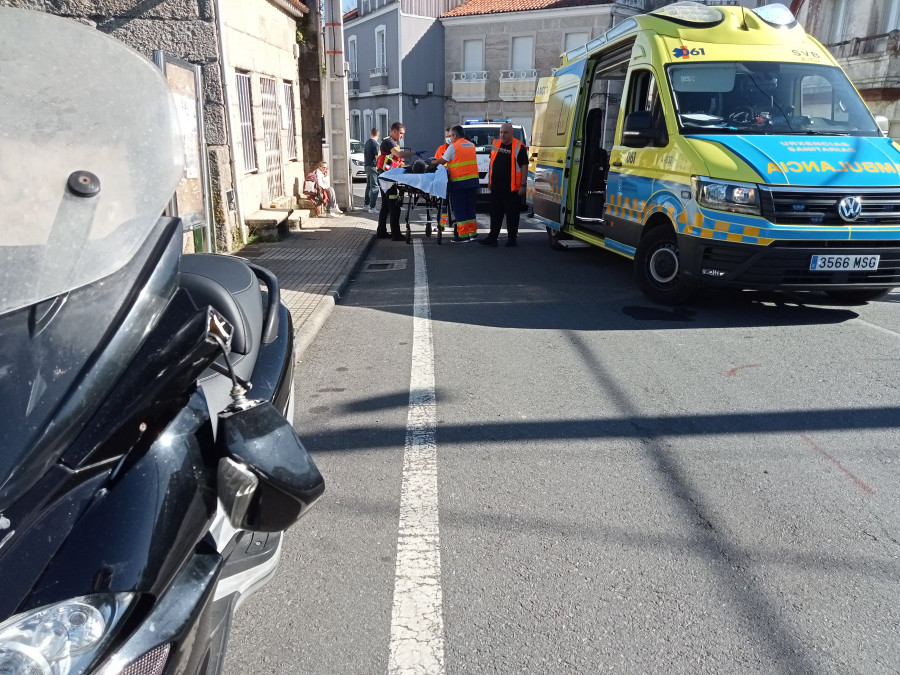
x: 507, y: 178
x: 370, y: 153
x: 390, y: 156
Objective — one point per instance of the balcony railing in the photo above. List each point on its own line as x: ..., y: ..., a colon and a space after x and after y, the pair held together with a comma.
x: 378, y: 79
x: 469, y: 85
x: 526, y: 74
x: 518, y: 85
x: 871, y: 62
x: 470, y: 76
x: 871, y: 44
x: 353, y: 83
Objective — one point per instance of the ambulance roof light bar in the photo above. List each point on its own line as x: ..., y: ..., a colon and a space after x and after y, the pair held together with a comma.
x: 691, y: 14
x: 776, y: 15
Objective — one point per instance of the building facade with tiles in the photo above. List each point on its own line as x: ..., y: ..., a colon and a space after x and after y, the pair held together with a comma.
x: 864, y: 36
x: 495, y: 51
x: 395, y: 56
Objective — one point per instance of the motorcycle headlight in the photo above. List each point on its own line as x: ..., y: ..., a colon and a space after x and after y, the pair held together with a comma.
x: 62, y: 638
x: 734, y: 197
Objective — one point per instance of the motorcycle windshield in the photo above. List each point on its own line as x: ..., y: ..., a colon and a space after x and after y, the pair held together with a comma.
x: 90, y: 154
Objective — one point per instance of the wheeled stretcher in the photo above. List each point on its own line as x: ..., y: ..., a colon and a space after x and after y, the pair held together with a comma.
x: 427, y: 190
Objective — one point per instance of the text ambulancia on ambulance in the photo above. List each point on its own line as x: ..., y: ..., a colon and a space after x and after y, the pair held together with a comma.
x: 717, y: 146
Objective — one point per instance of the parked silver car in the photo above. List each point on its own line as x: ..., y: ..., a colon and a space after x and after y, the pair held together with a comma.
x: 357, y: 161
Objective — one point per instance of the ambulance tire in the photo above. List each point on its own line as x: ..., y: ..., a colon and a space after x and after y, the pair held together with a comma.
x: 858, y: 295
x: 657, y: 267
x: 555, y: 237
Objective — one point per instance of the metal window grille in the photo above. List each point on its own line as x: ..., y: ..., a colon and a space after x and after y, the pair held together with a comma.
x: 243, y: 89
x: 271, y: 123
x: 288, y: 89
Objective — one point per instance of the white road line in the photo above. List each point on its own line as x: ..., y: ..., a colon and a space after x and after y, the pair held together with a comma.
x: 876, y: 327
x: 417, y: 628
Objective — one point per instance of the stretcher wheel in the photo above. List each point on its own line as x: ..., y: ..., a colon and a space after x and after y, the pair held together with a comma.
x: 428, y: 230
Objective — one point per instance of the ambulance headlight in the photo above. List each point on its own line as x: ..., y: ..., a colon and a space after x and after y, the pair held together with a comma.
x: 734, y: 197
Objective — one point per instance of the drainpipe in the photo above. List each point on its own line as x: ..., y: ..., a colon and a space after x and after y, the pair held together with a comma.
x: 337, y: 103
x: 229, y: 122
x: 399, y: 44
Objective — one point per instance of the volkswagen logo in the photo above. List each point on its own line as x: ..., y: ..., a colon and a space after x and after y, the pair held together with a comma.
x: 849, y: 208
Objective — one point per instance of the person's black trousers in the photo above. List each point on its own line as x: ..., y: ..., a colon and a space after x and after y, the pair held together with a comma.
x: 390, y: 206
x: 508, y: 205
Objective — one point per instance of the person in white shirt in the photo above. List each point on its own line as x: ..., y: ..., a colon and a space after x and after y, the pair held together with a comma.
x: 325, y: 184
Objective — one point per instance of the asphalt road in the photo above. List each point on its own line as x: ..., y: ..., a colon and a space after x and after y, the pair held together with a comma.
x: 621, y: 487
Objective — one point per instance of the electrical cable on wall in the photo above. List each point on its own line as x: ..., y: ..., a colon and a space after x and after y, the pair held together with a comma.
x: 332, y: 53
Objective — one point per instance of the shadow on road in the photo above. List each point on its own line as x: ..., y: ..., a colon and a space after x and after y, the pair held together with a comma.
x: 532, y: 287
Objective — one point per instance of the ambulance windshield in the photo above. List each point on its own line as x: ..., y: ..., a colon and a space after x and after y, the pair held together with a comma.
x: 756, y: 97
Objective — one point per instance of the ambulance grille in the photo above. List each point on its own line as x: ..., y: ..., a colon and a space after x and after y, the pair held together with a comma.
x: 818, y: 206
x: 788, y: 264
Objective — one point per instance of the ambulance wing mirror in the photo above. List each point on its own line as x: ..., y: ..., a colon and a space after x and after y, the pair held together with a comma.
x: 883, y: 123
x: 639, y: 129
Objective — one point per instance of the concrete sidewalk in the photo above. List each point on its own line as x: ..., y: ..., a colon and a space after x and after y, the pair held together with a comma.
x: 314, y: 267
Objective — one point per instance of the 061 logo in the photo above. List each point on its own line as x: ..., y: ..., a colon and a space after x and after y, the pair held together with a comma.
x: 685, y: 53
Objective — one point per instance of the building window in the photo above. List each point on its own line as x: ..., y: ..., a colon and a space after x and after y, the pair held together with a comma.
x: 351, y: 57
x: 355, y: 128
x: 380, y: 48
x: 522, y: 53
x: 368, y: 121
x: 891, y: 16
x: 575, y: 40
x: 246, y: 117
x: 381, y: 121
x: 473, y: 56
x: 287, y: 119
x: 839, y: 21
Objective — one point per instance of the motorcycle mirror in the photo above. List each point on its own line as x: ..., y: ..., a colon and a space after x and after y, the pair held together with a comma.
x: 254, y: 434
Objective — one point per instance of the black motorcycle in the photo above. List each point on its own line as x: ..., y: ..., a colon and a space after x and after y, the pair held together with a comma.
x: 147, y: 464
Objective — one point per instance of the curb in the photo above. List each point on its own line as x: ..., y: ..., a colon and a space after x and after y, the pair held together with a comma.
x: 306, y: 333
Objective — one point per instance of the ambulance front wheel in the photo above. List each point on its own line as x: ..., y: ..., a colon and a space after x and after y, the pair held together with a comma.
x: 658, y: 267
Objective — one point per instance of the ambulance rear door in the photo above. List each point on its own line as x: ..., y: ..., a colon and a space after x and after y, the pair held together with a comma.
x: 548, y: 161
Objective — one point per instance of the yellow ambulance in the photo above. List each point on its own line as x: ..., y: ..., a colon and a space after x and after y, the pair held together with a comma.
x: 717, y: 146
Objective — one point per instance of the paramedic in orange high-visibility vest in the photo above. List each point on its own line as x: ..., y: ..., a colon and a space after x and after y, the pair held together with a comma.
x: 390, y: 156
x: 507, y: 177
x: 445, y: 205
x: 462, y: 165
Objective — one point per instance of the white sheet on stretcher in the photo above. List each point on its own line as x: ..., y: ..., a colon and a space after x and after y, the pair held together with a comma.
x: 430, y: 183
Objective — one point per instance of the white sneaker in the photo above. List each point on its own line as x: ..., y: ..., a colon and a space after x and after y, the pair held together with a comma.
x: 337, y: 212
x: 332, y: 214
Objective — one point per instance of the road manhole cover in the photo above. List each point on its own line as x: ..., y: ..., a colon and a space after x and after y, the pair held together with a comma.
x: 385, y: 265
